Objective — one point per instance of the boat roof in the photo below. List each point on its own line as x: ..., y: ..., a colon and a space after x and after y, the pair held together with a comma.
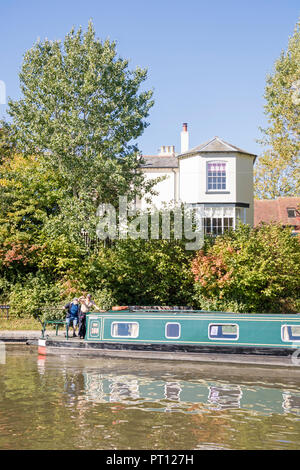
x: 189, y: 312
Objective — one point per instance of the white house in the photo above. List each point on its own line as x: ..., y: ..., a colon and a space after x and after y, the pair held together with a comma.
x: 215, y: 177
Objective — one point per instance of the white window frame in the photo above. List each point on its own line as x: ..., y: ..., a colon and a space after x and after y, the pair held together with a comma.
x: 210, y: 213
x: 288, y: 340
x: 224, y: 324
x: 172, y: 323
x: 226, y: 185
x: 126, y: 336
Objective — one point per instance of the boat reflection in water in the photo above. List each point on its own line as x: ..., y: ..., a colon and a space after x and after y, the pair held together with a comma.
x: 121, y: 388
x: 225, y: 397
x: 172, y: 391
x: 175, y: 395
x: 291, y: 403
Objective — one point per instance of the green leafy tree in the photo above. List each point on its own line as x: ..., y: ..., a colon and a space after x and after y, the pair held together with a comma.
x: 29, y: 195
x: 80, y: 112
x: 277, y: 171
x: 7, y: 146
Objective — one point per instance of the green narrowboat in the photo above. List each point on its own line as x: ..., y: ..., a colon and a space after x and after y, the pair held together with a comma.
x: 151, y: 329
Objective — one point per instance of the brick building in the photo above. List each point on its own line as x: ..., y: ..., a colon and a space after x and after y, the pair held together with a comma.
x: 285, y: 210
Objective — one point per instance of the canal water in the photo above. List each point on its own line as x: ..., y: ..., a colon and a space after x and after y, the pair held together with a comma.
x: 65, y: 402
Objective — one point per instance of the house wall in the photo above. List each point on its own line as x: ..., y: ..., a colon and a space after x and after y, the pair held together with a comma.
x: 193, y: 179
x: 244, y: 185
x: 189, y: 179
x: 167, y: 189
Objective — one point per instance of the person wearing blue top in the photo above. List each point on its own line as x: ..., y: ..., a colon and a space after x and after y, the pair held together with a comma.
x: 73, y: 311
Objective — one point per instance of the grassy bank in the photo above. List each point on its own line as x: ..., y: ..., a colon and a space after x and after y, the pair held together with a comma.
x: 19, y: 324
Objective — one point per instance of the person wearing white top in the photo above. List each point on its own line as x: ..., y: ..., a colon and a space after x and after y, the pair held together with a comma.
x: 86, y: 305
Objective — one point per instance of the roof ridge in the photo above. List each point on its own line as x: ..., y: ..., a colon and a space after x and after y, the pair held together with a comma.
x: 279, y: 197
x: 207, y: 143
x: 220, y: 141
x: 198, y: 147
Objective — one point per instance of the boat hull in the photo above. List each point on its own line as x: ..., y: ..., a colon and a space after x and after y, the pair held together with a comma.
x: 249, y: 356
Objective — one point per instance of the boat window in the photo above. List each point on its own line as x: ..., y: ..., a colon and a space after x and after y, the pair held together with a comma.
x: 172, y: 330
x: 223, y: 331
x: 94, y: 328
x: 290, y: 333
x: 125, y: 329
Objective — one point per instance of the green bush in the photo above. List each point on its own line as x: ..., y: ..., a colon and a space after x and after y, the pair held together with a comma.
x: 30, y: 298
x: 5, y: 287
x: 142, y: 272
x: 218, y: 305
x: 249, y: 270
x: 104, y: 299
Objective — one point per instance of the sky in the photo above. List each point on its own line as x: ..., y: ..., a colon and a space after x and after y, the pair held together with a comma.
x: 207, y: 60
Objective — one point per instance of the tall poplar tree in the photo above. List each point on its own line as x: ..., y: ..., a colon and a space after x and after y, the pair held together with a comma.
x: 277, y: 171
x: 80, y: 113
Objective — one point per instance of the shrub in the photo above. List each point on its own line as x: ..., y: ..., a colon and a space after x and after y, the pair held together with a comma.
x: 144, y: 272
x: 30, y: 298
x: 214, y: 304
x: 104, y: 299
x: 250, y: 269
x: 5, y: 288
